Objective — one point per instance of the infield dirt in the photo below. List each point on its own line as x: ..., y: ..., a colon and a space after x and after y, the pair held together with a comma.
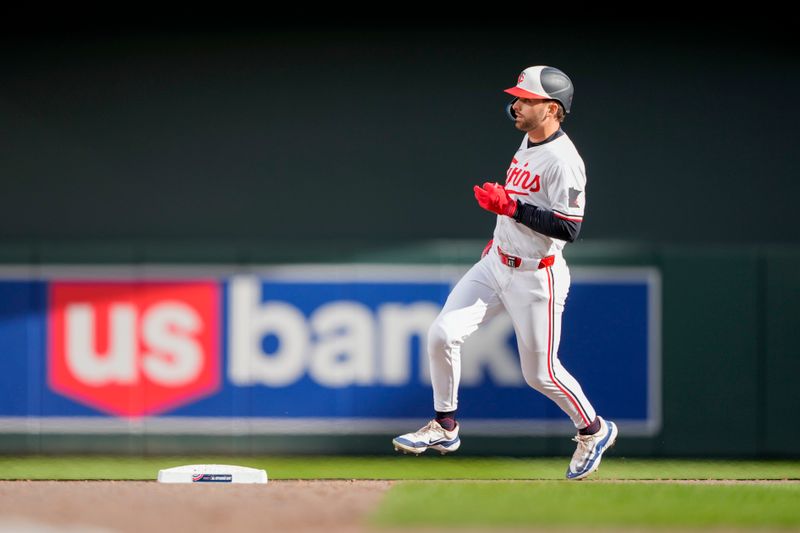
x: 136, y: 506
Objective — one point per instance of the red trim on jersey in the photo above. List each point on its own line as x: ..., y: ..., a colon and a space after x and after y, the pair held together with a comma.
x: 573, y: 218
x: 509, y: 191
x: 519, y: 92
x: 550, y: 323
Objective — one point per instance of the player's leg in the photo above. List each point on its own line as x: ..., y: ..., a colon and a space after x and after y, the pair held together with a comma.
x: 472, y: 302
x: 536, y: 308
x: 535, y: 301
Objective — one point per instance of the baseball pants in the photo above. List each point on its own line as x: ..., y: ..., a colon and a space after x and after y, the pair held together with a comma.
x: 534, y: 299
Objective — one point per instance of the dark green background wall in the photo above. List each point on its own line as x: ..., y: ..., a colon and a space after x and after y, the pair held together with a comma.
x: 688, y: 132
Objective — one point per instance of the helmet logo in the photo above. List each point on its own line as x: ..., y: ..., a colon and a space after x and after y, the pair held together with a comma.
x: 521, y: 77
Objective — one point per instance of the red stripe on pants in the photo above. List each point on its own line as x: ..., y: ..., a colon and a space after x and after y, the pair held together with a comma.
x: 551, y: 317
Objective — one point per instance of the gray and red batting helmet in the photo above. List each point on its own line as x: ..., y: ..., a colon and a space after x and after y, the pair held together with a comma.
x: 542, y: 83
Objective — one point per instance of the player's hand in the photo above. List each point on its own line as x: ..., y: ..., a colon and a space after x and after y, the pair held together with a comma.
x: 493, y: 197
x: 488, y: 247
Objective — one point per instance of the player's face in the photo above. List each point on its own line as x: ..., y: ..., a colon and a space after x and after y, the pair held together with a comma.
x: 533, y: 113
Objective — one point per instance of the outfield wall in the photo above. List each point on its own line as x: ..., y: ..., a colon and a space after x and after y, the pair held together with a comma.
x: 682, y: 345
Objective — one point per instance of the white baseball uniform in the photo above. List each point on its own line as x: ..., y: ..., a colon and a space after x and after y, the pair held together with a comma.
x: 550, y: 175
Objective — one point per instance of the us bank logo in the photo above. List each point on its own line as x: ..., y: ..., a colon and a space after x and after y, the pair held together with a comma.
x: 134, y: 348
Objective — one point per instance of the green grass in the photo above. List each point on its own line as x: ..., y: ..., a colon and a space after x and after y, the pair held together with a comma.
x: 395, y: 467
x: 574, y: 504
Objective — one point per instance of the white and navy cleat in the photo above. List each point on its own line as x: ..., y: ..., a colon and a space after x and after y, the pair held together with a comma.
x: 431, y: 436
x: 590, y: 450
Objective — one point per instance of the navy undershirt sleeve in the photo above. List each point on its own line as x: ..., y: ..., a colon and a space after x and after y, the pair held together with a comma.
x: 546, y: 222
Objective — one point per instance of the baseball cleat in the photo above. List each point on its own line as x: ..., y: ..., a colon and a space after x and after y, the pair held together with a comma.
x: 586, y: 458
x: 431, y: 436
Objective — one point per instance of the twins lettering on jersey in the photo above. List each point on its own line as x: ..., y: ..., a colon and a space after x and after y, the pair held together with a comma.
x: 521, y: 179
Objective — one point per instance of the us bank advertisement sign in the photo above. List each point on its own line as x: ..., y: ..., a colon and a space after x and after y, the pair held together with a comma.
x: 300, y: 349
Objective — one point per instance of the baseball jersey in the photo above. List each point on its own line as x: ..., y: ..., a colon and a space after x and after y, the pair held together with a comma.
x: 552, y: 176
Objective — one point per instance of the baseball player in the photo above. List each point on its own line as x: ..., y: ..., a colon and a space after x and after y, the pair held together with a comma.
x: 539, y: 209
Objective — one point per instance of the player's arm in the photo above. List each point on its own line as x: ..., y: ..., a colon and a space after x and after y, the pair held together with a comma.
x: 564, y: 187
x: 551, y: 223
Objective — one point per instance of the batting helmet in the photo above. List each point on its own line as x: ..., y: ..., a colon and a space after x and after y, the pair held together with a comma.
x: 542, y: 83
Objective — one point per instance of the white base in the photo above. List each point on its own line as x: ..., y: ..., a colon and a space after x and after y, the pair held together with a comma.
x: 212, y: 474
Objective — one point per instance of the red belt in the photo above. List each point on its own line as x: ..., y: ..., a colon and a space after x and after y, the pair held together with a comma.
x: 516, y: 262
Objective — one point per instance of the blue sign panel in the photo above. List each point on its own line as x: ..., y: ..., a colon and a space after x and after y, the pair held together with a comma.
x: 304, y: 350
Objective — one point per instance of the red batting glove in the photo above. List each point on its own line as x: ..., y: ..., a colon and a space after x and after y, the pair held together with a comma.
x: 488, y: 247
x: 493, y: 197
